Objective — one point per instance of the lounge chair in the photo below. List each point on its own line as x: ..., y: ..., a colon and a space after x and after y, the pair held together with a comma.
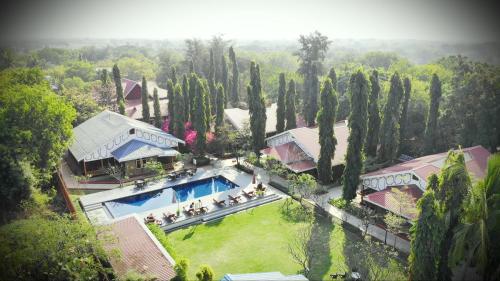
x: 219, y: 203
x: 202, y: 210
x: 170, y: 216
x: 189, y: 211
x: 234, y: 200
x: 250, y: 194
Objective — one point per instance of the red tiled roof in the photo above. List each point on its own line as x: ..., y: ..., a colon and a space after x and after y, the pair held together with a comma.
x: 138, y: 251
x: 476, y: 159
x: 291, y: 155
x: 129, y: 85
x: 388, y: 200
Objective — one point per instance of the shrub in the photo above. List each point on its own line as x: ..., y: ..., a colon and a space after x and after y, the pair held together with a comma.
x: 162, y: 238
x: 205, y: 274
x: 340, y: 203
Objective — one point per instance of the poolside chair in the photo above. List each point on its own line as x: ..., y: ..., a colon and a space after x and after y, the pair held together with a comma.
x: 250, y: 194
x: 170, y: 216
x: 189, y: 211
x: 220, y: 203
x: 234, y: 200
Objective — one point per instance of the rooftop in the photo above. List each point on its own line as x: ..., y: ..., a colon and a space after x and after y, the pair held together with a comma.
x: 389, y: 200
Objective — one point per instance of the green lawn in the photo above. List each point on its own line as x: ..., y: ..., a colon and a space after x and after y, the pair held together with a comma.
x: 257, y: 240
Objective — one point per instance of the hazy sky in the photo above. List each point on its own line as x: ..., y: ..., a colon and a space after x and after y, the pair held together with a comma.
x: 438, y: 20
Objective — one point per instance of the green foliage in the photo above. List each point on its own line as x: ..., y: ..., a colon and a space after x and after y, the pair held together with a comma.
x: 162, y: 238
x: 225, y: 79
x: 280, y: 111
x: 156, y: 109
x: 173, y: 75
x: 79, y: 95
x: 235, y: 97
x: 221, y: 97
x: 340, y: 203
x: 137, y: 66
x: 193, y: 83
x: 432, y: 120
x: 171, y: 105
x: 404, y: 115
x: 118, y: 85
x: 357, y: 124
x: 53, y: 248
x: 211, y: 84
x: 84, y: 70
x: 291, y: 122
x: 178, y: 117
x: 257, y: 108
x: 199, y: 118
x: 205, y: 274
x: 145, y: 101
x: 327, y: 140
x: 373, y: 117
x: 311, y: 91
x: 181, y: 269
x: 185, y: 94
x: 390, y: 123
x: 302, y: 184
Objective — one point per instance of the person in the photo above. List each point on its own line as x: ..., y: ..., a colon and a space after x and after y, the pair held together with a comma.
x: 191, y: 206
x: 259, y: 186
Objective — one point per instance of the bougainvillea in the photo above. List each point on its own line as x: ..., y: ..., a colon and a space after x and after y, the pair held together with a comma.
x: 189, y: 133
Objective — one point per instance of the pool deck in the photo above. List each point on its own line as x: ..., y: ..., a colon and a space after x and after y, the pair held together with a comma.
x: 97, y: 213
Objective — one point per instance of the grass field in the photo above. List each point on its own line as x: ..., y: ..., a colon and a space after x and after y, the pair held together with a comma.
x: 257, y: 240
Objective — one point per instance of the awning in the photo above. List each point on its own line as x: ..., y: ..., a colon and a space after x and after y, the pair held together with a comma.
x: 136, y: 149
x: 389, y: 200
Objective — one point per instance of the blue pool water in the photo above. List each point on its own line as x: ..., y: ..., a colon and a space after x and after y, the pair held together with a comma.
x: 168, y: 196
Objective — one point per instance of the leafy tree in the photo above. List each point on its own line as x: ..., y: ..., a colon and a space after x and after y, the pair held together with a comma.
x: 205, y: 274
x: 84, y: 70
x: 301, y: 250
x: 426, y: 238
x: 199, y: 120
x: 404, y: 115
x: 373, y: 117
x: 171, y: 104
x: 431, y: 128
x: 224, y: 79
x: 105, y: 91
x: 327, y: 140
x: 181, y: 270
x: 196, y: 54
x: 145, y: 100
x: 80, y: 97
x: 291, y: 122
x: 156, y: 108
x: 136, y: 66
x: 390, y: 123
x: 257, y: 108
x: 119, y: 89
x: 474, y: 240
x: 357, y: 124
x: 219, y: 120
x: 304, y: 185
x: 185, y: 94
x: 54, y: 248
x: 235, y: 97
x: 178, y: 116
x: 280, y: 111
x: 313, y: 48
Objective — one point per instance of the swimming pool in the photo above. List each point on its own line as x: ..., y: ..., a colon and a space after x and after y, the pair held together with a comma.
x: 168, y: 196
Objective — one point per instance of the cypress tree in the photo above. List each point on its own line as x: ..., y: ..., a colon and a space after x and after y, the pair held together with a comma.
x: 156, y: 109
x: 219, y: 119
x: 311, y: 102
x: 358, y: 90
x: 426, y: 238
x: 208, y: 105
x: 280, y: 111
x: 145, y: 101
x: 171, y: 104
x: 178, y: 118
x: 333, y: 76
x: 173, y: 75
x: 211, y: 84
x: 235, y: 97
x: 257, y: 109
x: 327, y: 140
x: 390, y: 124
x: 404, y: 114
x: 120, y: 101
x: 431, y: 128
x: 291, y: 122
x: 373, y: 117
x: 225, y: 78
x: 185, y: 96
x: 193, y: 83
x: 191, y: 67
x: 200, y: 122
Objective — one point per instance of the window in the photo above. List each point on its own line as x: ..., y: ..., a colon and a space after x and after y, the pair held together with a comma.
x: 415, y: 178
x: 131, y: 131
x: 138, y: 163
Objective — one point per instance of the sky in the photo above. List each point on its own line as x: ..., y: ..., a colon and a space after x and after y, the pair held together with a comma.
x: 433, y: 20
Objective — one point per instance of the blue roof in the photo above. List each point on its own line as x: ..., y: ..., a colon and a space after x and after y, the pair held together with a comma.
x: 136, y: 149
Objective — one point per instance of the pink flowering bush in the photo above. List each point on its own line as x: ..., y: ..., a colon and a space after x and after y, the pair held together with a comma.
x: 189, y: 133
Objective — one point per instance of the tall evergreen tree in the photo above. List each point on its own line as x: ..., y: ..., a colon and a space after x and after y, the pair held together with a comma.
x: 208, y: 105
x: 171, y: 104
x: 333, y: 76
x: 390, y: 124
x: 432, y: 117
x: 291, y: 117
x: 185, y: 96
x: 145, y: 101
x: 120, y: 101
x: 373, y: 117
x: 235, y: 97
x: 173, y: 75
x: 280, y: 111
x: 191, y: 67
x: 219, y: 119
x: 257, y: 109
x: 403, y: 124
x: 426, y: 238
x: 199, y: 120
x: 311, y: 98
x: 327, y: 140
x: 358, y: 90
x: 193, y: 83
x: 178, y: 118
x: 225, y: 78
x: 156, y: 109
x: 211, y: 84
